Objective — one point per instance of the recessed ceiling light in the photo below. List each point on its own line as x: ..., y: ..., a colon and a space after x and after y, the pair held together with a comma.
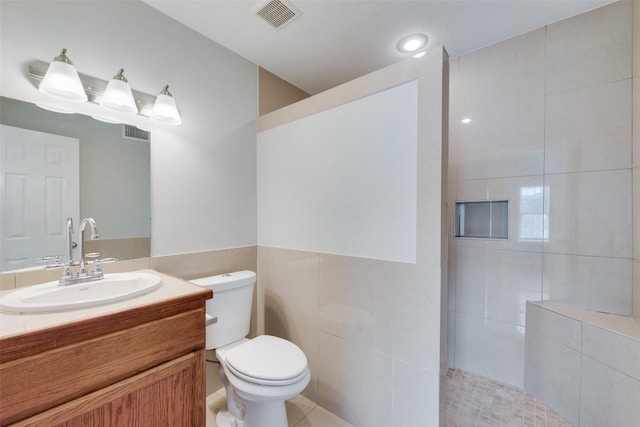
x: 466, y: 120
x: 412, y: 43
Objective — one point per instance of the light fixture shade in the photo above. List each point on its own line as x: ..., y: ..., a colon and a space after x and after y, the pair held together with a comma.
x: 55, y: 109
x: 165, y: 109
x: 118, y: 97
x: 61, y: 80
x: 104, y: 119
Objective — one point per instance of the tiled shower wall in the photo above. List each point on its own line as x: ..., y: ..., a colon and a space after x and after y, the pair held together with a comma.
x: 551, y: 132
x: 584, y: 364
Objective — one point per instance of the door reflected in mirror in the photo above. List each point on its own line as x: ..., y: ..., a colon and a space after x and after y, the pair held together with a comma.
x: 113, y: 185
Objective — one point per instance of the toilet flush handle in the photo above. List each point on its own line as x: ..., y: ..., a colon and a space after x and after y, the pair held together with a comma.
x: 209, y: 320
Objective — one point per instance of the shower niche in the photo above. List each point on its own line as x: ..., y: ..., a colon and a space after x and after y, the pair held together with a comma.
x: 482, y: 220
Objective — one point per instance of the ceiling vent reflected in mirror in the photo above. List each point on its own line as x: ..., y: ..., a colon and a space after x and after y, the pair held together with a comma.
x: 277, y: 13
x: 133, y: 132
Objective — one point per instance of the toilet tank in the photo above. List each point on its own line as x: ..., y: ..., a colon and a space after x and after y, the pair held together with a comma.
x: 230, y: 305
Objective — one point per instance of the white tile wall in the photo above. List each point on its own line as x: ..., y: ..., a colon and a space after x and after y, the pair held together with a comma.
x: 550, y: 110
x: 412, y: 387
x: 586, y: 367
x: 415, y: 329
x: 489, y: 348
x: 501, y: 89
x: 588, y: 49
x: 557, y: 327
x: 552, y: 375
x: 372, y: 340
x: 354, y: 300
x: 495, y: 284
x: 589, y: 129
x: 608, y: 397
x: 617, y: 351
x: 292, y: 287
x: 592, y: 283
x: 355, y: 380
x: 506, y: 72
x: 590, y: 213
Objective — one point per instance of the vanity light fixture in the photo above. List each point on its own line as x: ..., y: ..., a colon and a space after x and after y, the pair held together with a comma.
x: 62, y: 80
x: 119, y: 101
x: 118, y: 97
x: 165, y: 109
x: 412, y: 43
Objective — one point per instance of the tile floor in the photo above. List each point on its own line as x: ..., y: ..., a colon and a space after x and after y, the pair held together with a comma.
x: 475, y: 401
x: 470, y: 401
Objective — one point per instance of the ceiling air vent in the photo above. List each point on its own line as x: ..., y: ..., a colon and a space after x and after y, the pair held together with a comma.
x: 277, y: 13
x: 132, y: 132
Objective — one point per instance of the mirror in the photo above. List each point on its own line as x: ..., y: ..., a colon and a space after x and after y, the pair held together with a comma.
x: 114, y: 180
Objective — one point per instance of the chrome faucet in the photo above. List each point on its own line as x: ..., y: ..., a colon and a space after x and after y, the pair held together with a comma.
x: 94, y: 235
x: 70, y: 240
x: 67, y: 277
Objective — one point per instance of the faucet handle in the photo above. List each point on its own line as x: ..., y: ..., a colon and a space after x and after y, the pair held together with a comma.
x: 97, y: 270
x: 67, y: 275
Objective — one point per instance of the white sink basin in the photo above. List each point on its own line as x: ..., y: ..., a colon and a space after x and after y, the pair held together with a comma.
x: 49, y: 297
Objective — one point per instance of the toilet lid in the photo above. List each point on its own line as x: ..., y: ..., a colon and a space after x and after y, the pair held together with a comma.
x: 267, y: 358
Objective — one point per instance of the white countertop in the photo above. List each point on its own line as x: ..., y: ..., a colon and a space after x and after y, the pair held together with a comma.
x: 18, y: 323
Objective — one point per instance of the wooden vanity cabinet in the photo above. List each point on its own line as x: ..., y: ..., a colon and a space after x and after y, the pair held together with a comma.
x: 139, y: 367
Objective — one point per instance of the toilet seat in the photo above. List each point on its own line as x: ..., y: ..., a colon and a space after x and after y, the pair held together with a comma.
x: 267, y: 360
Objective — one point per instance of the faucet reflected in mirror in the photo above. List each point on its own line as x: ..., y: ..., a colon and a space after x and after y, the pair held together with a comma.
x: 82, y: 276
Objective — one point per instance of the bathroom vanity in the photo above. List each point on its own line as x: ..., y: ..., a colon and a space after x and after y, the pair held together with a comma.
x: 138, y: 362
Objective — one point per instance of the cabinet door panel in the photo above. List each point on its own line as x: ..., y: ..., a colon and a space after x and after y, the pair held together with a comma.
x: 28, y: 388
x: 169, y: 395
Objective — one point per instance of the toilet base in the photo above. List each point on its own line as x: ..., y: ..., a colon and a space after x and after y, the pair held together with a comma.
x: 225, y: 419
x: 272, y: 414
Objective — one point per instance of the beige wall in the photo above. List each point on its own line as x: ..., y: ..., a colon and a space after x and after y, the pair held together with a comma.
x: 275, y: 93
x: 551, y: 114
x: 125, y: 248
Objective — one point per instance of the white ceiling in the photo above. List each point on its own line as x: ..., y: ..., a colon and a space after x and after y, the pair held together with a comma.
x: 334, y: 41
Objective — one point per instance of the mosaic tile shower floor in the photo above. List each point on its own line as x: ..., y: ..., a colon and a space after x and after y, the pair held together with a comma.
x: 474, y: 401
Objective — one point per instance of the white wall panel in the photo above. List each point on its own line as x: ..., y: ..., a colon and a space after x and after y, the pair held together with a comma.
x: 343, y: 180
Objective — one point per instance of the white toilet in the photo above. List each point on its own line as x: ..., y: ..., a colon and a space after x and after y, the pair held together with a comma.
x: 259, y: 374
